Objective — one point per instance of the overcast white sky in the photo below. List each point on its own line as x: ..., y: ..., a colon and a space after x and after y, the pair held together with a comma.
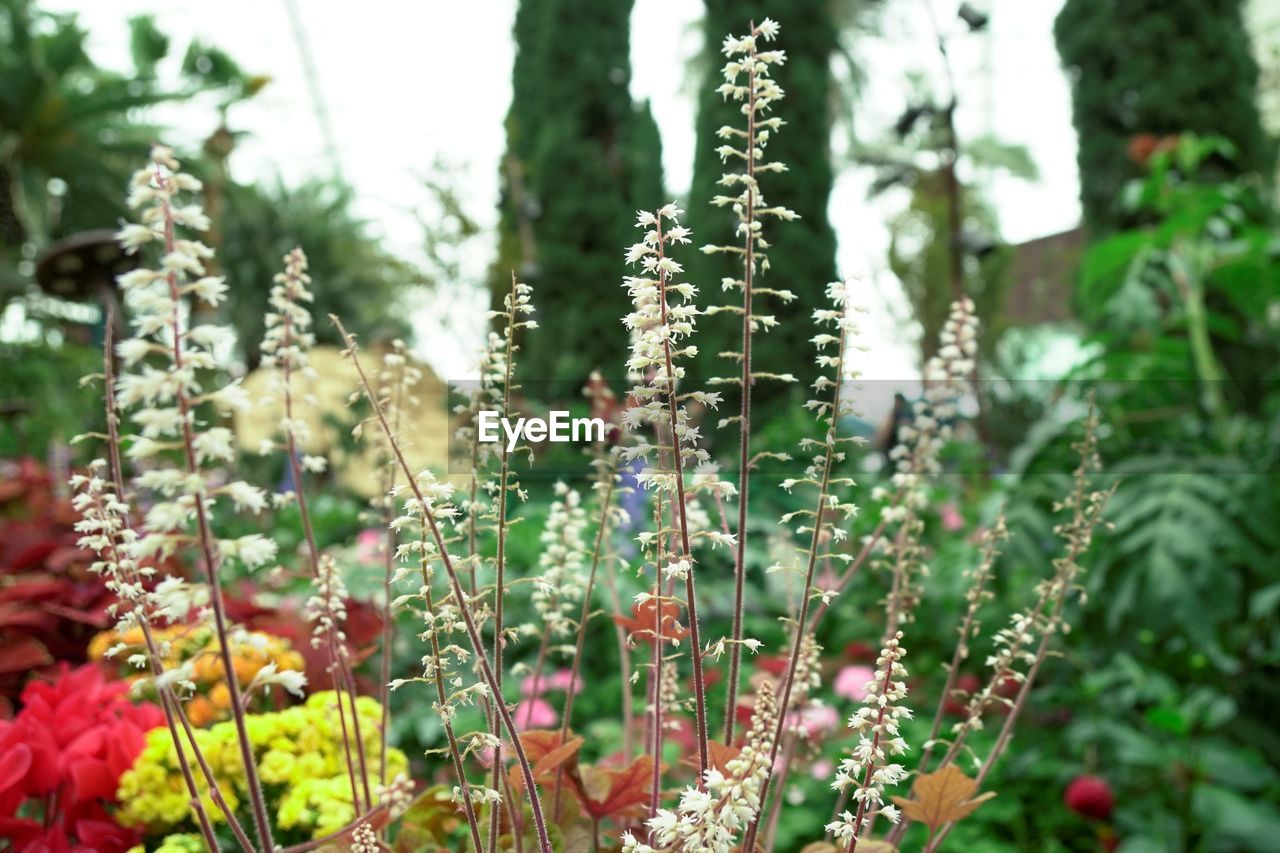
x: 406, y: 82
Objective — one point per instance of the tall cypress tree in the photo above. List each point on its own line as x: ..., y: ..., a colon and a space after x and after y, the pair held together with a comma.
x: 581, y: 158
x: 802, y: 257
x: 1151, y: 68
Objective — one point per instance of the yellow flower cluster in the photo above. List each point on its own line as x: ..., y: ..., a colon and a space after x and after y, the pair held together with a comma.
x: 198, y: 644
x: 185, y: 842
x: 301, y: 760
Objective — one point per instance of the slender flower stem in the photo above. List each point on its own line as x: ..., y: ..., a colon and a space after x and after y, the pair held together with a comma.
x: 473, y: 633
x: 744, y: 422
x: 655, y: 678
x: 197, y: 806
x: 967, y: 627
x: 384, y: 662
x: 606, y: 504
x: 168, y: 701
x: 500, y: 592
x: 775, y: 811
x: 388, y: 572
x: 624, y: 666
x: 437, y: 666
x: 338, y: 665
x: 788, y: 681
x: 342, y: 724
x: 871, y: 764
x: 209, y: 554
x: 686, y: 553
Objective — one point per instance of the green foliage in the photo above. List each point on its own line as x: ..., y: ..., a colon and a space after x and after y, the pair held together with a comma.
x: 802, y: 257
x: 1180, y: 639
x: 352, y: 275
x: 44, y: 401
x: 69, y: 134
x: 920, y: 256
x: 1145, y: 69
x: 581, y: 158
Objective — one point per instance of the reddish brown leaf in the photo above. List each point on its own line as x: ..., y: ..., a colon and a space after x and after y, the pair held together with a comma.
x: 643, y: 623
x: 545, y: 752
x: 612, y: 793
x: 721, y: 755
x: 23, y: 654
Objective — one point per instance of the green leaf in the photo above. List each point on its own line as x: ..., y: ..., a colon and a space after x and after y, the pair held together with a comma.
x: 1168, y: 720
x: 147, y: 44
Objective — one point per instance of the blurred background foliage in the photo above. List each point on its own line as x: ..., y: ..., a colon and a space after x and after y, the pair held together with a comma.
x: 1168, y: 686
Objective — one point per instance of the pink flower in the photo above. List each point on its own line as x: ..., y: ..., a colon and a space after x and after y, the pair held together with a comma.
x: 822, y: 769
x: 535, y: 714
x: 851, y: 682
x: 814, y: 720
x: 952, y: 520
x: 369, y: 546
x: 555, y: 680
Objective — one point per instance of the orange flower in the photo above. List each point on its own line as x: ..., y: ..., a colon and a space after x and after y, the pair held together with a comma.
x: 220, y: 696
x: 200, y: 711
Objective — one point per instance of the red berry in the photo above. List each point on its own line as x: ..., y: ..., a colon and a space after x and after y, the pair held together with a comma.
x: 1090, y: 796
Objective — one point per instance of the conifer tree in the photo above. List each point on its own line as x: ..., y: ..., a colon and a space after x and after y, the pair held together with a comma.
x: 580, y: 157
x: 1143, y: 70
x: 802, y: 256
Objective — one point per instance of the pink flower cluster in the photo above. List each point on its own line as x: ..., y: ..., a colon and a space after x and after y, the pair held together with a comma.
x: 534, y: 712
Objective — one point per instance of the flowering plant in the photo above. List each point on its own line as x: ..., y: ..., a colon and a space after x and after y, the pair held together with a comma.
x: 299, y: 756
x: 62, y: 756
x: 253, y: 653
x: 325, y: 771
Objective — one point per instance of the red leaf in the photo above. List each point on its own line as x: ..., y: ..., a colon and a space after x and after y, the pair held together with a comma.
x: 545, y: 752
x: 611, y: 793
x: 23, y: 654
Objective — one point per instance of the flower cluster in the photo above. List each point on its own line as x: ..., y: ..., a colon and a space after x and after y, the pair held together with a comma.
x: 562, y: 561
x: 285, y: 346
x: 711, y: 817
x: 866, y: 773
x: 660, y: 332
x: 915, y: 458
x: 1021, y: 645
x: 165, y: 399
x: 63, y: 756
x: 946, y: 379
x: 258, y: 659
x: 104, y: 531
x: 299, y: 753
x: 745, y: 146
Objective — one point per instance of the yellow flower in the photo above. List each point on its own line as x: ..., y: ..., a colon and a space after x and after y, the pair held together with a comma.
x: 277, y: 767
x: 300, y: 756
x: 184, y: 843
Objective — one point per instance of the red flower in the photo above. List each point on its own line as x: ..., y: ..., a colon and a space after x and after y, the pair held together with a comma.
x: 860, y: 653
x: 1089, y: 796
x: 68, y: 746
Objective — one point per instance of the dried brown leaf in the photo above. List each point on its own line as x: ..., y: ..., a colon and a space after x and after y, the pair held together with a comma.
x: 942, y: 797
